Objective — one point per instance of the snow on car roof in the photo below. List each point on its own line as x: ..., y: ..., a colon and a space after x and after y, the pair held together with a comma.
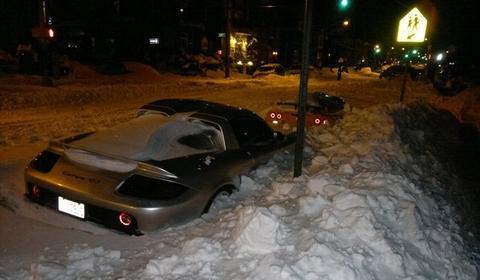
x: 271, y: 65
x: 155, y: 137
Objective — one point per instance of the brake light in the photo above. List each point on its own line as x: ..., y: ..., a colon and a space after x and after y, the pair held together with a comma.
x: 279, y: 116
x: 36, y: 191
x: 317, y: 121
x: 125, y: 219
x: 272, y: 115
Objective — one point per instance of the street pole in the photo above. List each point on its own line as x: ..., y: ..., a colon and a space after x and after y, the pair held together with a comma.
x: 44, y: 45
x: 404, y: 81
x: 302, y: 95
x: 227, y: 38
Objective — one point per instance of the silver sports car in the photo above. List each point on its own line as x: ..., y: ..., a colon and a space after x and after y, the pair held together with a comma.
x: 164, y: 167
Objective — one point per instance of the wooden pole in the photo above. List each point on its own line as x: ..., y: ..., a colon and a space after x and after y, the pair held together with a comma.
x: 302, y: 103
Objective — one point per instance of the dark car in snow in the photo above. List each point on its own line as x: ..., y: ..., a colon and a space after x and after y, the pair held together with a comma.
x: 397, y: 70
x: 269, y: 69
x: 162, y: 168
x: 321, y: 109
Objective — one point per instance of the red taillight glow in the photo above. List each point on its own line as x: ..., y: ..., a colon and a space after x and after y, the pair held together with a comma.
x: 272, y: 115
x: 125, y: 219
x: 279, y: 116
x: 317, y: 121
x: 36, y: 191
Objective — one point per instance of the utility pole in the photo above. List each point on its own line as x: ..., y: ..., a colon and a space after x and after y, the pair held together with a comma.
x: 44, y: 44
x: 227, y: 37
x: 302, y: 104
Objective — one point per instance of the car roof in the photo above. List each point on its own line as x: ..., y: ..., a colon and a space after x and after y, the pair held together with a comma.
x: 173, y: 106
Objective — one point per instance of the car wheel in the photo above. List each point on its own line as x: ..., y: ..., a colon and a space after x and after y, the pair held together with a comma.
x: 220, y: 200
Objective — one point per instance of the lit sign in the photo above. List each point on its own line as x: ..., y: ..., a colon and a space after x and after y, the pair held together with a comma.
x: 412, y: 27
x: 154, y: 41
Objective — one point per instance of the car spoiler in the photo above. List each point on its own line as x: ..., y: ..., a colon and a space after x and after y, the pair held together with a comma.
x: 135, y: 166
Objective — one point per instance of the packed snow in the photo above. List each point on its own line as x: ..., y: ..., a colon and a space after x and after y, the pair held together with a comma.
x: 374, y: 200
x: 364, y: 209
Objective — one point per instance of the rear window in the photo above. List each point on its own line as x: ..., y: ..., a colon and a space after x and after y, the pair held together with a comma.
x: 204, y: 140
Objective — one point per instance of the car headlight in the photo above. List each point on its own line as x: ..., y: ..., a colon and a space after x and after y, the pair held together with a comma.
x: 150, y: 188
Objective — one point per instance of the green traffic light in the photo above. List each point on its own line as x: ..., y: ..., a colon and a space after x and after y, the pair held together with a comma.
x: 343, y: 4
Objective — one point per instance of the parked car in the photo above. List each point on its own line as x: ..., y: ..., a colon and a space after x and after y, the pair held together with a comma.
x: 111, y: 67
x: 297, y: 69
x: 164, y: 167
x: 268, y: 69
x: 321, y: 109
x: 398, y: 70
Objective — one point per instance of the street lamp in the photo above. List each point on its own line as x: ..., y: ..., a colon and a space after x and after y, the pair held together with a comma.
x: 346, y: 23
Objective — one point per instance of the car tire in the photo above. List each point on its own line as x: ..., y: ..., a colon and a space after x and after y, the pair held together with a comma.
x: 223, y: 192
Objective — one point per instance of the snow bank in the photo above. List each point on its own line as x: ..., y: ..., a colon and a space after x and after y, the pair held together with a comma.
x: 465, y: 106
x: 368, y: 207
x: 82, y: 263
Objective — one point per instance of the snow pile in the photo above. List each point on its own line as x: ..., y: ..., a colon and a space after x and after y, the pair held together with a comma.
x: 366, y: 214
x: 257, y: 231
x: 83, y: 263
x: 465, y: 106
x: 367, y: 208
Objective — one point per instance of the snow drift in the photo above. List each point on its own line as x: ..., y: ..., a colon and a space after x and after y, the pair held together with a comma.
x: 368, y: 207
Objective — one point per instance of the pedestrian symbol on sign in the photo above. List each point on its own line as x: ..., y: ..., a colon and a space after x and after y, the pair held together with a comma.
x: 412, y: 27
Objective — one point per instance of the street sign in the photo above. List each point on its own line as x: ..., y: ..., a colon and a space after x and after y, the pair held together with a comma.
x: 412, y: 27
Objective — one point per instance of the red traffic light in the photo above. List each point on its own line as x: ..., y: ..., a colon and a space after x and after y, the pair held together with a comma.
x: 43, y: 32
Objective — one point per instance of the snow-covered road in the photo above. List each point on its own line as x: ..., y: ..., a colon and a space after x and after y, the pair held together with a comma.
x: 368, y: 206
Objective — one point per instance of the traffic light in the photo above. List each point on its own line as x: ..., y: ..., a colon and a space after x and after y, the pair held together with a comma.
x: 343, y: 4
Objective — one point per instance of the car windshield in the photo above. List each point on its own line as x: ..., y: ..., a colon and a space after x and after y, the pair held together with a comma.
x: 155, y: 137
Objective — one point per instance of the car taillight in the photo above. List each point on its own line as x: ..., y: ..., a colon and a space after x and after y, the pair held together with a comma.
x: 36, y: 191
x: 319, y: 121
x: 125, y: 219
x: 279, y: 116
x: 272, y: 115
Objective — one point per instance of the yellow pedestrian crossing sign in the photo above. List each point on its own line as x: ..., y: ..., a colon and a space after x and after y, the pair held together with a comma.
x: 412, y: 27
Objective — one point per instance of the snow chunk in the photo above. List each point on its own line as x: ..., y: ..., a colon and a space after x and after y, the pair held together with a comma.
x: 82, y: 262
x: 256, y: 231
x: 312, y: 206
x: 345, y: 169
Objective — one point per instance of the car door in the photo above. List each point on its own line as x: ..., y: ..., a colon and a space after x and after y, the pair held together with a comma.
x: 254, y: 137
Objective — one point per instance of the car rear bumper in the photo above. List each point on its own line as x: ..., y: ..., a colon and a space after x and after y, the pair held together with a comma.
x: 93, y: 213
x: 107, y: 212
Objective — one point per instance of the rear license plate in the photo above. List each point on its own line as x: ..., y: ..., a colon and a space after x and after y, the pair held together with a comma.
x: 71, y: 207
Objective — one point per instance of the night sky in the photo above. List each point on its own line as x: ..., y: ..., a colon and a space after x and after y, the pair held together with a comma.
x: 374, y: 21
x: 450, y: 22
